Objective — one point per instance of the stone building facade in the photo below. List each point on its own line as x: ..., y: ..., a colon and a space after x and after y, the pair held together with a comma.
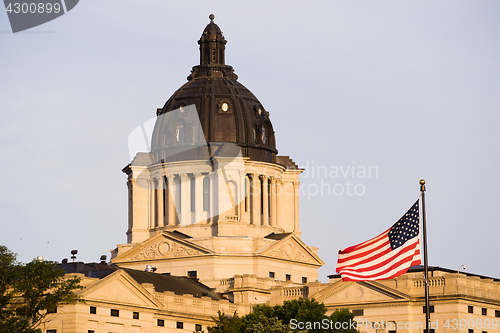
x: 214, y: 211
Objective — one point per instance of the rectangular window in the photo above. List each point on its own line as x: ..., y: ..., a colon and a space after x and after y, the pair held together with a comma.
x: 180, y: 325
x: 160, y: 322
x: 93, y: 310
x: 484, y: 311
x: 115, y: 313
x: 432, y: 330
x: 135, y: 315
x: 470, y: 309
x: 197, y: 327
x: 430, y: 306
x: 51, y: 331
x: 471, y: 330
x: 304, y: 280
x: 359, y: 312
x: 53, y: 310
x: 288, y: 277
x: 392, y: 332
x: 497, y: 313
x: 271, y: 275
x: 193, y: 191
x: 206, y: 194
x: 90, y: 331
x: 193, y: 274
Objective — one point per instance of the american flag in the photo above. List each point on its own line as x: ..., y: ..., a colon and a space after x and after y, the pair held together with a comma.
x: 386, y: 256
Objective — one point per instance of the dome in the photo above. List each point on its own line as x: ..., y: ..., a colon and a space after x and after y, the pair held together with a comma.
x: 228, y: 112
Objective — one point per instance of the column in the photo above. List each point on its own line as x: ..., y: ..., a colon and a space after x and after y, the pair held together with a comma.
x: 185, y: 200
x: 214, y: 195
x: 198, y: 197
x: 265, y: 200
x: 130, y: 185
x: 296, y: 207
x: 159, y: 201
x: 171, y: 199
x: 241, y: 195
x: 255, y: 198
x: 152, y: 203
x: 273, y: 201
x: 279, y: 196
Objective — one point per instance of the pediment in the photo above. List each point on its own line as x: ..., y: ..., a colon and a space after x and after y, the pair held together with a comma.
x: 292, y: 248
x: 358, y: 292
x: 119, y: 287
x: 162, y: 246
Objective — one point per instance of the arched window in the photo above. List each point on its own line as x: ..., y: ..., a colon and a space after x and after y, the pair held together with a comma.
x: 179, y: 133
x: 263, y: 135
x: 206, y: 193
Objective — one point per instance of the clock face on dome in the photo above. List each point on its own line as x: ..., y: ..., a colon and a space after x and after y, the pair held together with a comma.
x: 224, y: 107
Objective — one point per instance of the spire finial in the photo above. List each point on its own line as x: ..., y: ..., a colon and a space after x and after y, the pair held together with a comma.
x: 211, y: 17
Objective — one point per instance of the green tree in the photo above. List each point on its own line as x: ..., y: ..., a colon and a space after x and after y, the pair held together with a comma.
x: 278, y: 319
x: 28, y: 292
x: 268, y: 325
x: 226, y: 324
x: 343, y: 316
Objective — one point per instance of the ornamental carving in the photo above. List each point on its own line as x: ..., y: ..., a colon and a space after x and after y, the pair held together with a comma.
x: 290, y: 252
x: 165, y: 249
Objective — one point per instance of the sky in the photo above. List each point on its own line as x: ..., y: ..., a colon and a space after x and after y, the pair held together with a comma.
x: 369, y: 97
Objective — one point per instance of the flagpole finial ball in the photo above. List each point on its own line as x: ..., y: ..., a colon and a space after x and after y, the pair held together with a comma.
x: 422, y: 181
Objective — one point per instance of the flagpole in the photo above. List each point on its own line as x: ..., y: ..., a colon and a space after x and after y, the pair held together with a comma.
x: 426, y: 267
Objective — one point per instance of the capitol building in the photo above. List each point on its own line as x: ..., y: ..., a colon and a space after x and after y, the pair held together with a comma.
x: 213, y: 225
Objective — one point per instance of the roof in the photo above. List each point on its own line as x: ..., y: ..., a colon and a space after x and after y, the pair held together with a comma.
x: 277, y: 236
x: 225, y: 112
x: 179, y: 285
x: 420, y: 268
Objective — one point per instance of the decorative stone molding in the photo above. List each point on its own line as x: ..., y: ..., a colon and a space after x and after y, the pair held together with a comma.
x: 165, y: 249
x: 290, y: 252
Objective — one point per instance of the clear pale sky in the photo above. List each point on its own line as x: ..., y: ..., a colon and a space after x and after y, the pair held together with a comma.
x: 410, y: 89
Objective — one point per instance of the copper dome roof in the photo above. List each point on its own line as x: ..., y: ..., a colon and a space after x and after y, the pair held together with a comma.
x: 227, y: 110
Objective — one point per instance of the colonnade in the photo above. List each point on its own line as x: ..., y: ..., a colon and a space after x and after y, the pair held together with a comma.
x: 185, y: 198
x: 265, y: 199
